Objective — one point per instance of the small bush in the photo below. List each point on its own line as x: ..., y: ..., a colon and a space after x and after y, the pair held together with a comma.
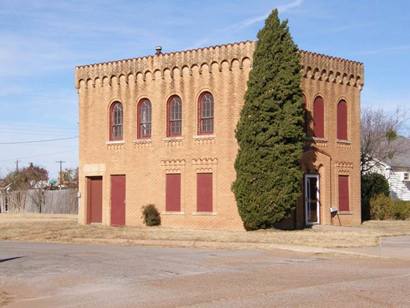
x: 381, y: 207
x: 151, y: 215
x: 372, y: 185
x: 401, y: 210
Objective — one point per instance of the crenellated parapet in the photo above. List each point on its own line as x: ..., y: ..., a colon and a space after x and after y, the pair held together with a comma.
x: 212, y: 59
x: 332, y: 69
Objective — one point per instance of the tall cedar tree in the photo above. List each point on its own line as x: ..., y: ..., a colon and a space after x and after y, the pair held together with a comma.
x: 270, y: 131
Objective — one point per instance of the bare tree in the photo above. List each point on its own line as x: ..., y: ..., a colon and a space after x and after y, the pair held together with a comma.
x: 379, y: 135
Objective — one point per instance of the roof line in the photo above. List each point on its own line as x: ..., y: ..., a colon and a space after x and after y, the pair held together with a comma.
x: 213, y: 47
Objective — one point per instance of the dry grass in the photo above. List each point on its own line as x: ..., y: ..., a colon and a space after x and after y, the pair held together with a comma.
x: 64, y: 228
x: 4, y: 298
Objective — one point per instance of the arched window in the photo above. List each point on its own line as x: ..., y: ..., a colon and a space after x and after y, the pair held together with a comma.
x: 205, y: 114
x: 174, y: 116
x: 144, y: 119
x: 116, y: 121
x: 342, y: 120
x: 318, y: 118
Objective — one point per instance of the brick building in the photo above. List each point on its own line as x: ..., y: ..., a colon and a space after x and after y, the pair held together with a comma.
x: 160, y: 129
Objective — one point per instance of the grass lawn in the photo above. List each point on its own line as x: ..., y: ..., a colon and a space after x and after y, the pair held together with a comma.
x: 64, y: 228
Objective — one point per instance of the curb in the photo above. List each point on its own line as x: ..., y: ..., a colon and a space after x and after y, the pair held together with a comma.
x: 225, y: 245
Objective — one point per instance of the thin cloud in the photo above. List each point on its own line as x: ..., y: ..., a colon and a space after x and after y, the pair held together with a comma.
x: 254, y: 20
x: 387, y: 50
x: 249, y: 22
x: 344, y: 28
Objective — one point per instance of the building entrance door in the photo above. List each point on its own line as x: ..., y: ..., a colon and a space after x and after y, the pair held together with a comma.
x: 94, y: 199
x: 312, y: 204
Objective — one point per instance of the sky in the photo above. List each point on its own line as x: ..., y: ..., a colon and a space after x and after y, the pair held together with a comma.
x: 41, y: 42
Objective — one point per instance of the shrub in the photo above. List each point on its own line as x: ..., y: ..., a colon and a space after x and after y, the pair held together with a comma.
x: 151, y: 215
x: 401, y: 210
x: 381, y: 207
x: 372, y: 185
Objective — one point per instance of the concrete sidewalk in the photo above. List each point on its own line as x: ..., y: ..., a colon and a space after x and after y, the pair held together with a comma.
x: 389, y: 247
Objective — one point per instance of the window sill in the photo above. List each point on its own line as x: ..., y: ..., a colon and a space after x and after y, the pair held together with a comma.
x: 345, y: 213
x: 343, y: 141
x: 204, y: 214
x: 171, y: 139
x: 319, y: 140
x: 172, y: 213
x: 143, y: 141
x: 196, y: 137
x: 116, y: 142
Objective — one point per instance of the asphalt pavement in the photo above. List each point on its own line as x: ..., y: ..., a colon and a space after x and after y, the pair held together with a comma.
x: 83, y: 275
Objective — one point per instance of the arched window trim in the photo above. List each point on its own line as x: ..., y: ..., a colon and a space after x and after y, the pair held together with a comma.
x: 144, y: 119
x: 174, y: 116
x: 116, y: 121
x: 342, y: 118
x: 206, y: 114
x: 319, y: 119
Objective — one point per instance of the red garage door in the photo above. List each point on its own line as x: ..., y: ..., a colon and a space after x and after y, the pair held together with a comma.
x: 204, y: 192
x: 173, y: 193
x: 118, y: 200
x: 94, y: 199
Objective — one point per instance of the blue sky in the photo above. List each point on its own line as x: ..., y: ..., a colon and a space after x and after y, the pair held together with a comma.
x: 41, y: 41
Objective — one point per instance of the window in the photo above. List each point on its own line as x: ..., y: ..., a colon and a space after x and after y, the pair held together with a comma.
x: 206, y: 114
x: 173, y: 192
x: 144, y: 119
x: 343, y: 193
x: 342, y: 120
x: 318, y: 118
x: 116, y: 121
x: 406, y: 176
x: 204, y: 192
x: 174, y: 116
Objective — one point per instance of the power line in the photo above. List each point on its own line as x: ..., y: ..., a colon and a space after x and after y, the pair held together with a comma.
x: 38, y: 141
x: 36, y: 155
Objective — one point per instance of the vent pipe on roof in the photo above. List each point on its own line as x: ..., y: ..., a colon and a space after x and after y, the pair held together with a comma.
x: 158, y: 50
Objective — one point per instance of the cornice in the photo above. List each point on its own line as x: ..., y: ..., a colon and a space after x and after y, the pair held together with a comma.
x: 314, y: 66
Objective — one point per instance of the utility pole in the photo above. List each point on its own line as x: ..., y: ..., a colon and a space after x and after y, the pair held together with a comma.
x: 61, y: 171
x: 17, y: 165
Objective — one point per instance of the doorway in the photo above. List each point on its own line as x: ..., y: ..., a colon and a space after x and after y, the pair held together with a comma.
x: 94, y: 199
x: 312, y: 203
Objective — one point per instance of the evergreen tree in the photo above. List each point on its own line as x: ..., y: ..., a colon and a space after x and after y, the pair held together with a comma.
x: 270, y: 131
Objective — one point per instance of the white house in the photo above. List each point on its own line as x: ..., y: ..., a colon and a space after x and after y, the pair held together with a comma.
x: 397, y: 171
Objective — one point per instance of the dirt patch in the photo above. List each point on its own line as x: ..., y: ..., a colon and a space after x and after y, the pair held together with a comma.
x: 64, y: 228
x: 5, y: 298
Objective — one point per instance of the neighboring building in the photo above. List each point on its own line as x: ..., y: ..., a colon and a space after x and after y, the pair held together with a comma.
x: 397, y: 170
x: 161, y: 129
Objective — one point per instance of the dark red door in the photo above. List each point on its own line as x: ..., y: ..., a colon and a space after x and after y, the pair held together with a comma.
x: 94, y: 199
x: 118, y: 200
x: 173, y: 193
x: 204, y: 192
